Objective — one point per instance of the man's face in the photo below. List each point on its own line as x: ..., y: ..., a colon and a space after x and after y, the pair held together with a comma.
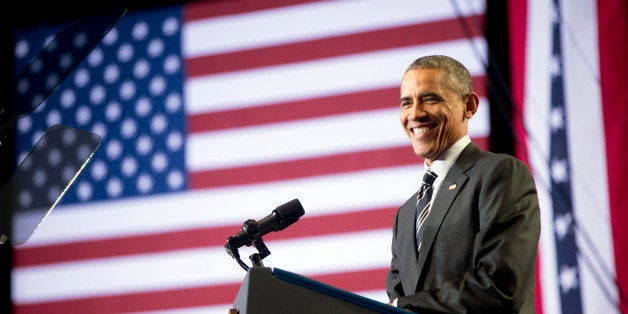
x: 432, y: 115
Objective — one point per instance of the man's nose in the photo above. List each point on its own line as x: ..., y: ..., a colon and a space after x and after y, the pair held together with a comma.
x: 416, y: 111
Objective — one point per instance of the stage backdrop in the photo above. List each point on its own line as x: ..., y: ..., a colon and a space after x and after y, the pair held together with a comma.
x: 569, y: 77
x: 218, y: 112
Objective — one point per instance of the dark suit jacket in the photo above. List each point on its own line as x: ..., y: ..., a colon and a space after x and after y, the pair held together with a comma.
x: 480, y: 241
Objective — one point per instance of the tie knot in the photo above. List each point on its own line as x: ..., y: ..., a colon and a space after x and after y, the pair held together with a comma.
x: 429, y: 177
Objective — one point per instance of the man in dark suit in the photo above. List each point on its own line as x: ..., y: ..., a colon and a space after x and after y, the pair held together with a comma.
x: 478, y: 244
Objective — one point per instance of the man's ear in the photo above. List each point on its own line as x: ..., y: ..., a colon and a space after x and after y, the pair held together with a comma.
x: 471, y: 105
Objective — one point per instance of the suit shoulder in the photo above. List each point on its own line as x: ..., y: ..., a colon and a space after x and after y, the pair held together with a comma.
x: 475, y: 159
x: 500, y: 160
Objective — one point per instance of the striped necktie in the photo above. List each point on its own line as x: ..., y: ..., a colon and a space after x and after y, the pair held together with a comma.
x: 424, y: 199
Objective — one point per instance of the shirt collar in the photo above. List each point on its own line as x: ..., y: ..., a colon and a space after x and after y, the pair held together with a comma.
x: 443, y: 163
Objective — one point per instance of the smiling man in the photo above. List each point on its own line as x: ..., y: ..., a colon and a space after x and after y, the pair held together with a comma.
x: 466, y: 242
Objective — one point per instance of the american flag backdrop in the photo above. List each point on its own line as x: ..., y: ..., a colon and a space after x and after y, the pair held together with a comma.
x: 216, y: 112
x: 569, y: 76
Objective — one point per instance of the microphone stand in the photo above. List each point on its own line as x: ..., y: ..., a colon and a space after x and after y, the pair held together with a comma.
x: 252, y: 229
x: 256, y: 258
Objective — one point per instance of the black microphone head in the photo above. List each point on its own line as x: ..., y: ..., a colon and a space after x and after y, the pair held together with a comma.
x: 288, y: 213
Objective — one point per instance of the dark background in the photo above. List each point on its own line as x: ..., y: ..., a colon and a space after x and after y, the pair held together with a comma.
x: 27, y: 14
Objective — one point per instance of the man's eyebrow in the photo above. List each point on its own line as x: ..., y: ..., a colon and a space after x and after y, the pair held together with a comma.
x: 406, y: 98
x: 429, y: 94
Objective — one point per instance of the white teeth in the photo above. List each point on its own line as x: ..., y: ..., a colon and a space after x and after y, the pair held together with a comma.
x: 418, y: 131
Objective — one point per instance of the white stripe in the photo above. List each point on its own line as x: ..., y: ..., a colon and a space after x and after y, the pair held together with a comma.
x: 589, y: 172
x: 304, y: 22
x: 310, y: 138
x: 537, y: 94
x: 225, y: 206
x: 377, y: 295
x: 330, y: 76
x: 295, y: 140
x: 197, y: 267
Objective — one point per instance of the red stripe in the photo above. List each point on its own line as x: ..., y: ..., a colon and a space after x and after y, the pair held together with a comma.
x: 296, y: 110
x: 304, y: 109
x: 301, y: 168
x: 198, y: 238
x: 197, y: 10
x: 404, y: 36
x: 517, y: 23
x: 613, y: 48
x: 362, y: 280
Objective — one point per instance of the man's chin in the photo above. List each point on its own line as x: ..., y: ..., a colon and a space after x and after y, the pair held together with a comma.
x: 425, y: 154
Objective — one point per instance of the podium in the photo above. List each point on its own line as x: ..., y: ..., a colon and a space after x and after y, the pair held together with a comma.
x: 265, y: 290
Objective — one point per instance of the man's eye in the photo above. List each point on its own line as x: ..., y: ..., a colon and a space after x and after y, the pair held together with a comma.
x: 431, y: 99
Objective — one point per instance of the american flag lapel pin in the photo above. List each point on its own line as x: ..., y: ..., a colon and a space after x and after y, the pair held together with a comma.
x: 453, y: 186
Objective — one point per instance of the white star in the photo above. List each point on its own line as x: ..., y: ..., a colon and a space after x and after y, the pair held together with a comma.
x: 22, y: 48
x: 114, y: 187
x: 111, y: 37
x: 175, y: 179
x: 65, y: 60
x: 174, y: 102
x: 127, y: 90
x: 559, y: 171
x: 159, y: 162
x: 81, y: 77
x: 54, y: 192
x: 98, y: 170
x: 568, y: 278
x: 158, y: 123
x: 156, y: 47
x: 113, y: 111
x: 96, y: 57
x: 174, y: 141
x: 84, y: 190
x: 114, y: 149
x: 172, y: 64
x: 111, y: 73
x: 129, y: 166
x: 555, y: 66
x: 128, y: 128
x: 25, y: 199
x: 83, y: 115
x: 125, y: 52
x: 170, y: 26
x: 97, y: 94
x: 141, y: 68
x: 80, y: 40
x: 143, y: 107
x: 562, y: 225
x: 144, y: 183
x: 67, y: 98
x: 157, y: 85
x: 144, y: 145
x: 140, y: 31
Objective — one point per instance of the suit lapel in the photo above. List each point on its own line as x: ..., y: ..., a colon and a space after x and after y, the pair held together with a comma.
x: 449, y: 189
x: 407, y: 221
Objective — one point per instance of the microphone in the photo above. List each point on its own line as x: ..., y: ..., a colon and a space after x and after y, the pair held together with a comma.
x: 280, y: 218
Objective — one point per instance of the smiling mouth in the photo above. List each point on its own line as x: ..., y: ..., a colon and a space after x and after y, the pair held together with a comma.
x: 420, y: 131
